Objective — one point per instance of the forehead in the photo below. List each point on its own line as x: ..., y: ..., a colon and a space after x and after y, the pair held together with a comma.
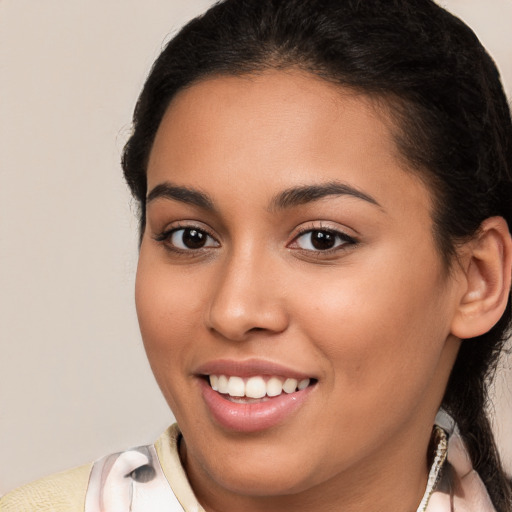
x: 275, y: 106
x: 284, y: 128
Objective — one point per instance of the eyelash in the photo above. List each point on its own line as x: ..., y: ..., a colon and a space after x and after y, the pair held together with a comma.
x: 339, y: 235
x: 165, y: 238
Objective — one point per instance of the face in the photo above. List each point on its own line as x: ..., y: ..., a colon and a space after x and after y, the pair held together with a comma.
x: 287, y: 246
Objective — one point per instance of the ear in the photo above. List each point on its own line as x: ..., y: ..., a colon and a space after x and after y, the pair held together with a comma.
x: 487, y: 269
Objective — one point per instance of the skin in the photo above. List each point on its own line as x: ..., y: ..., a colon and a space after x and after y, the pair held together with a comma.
x: 371, y: 320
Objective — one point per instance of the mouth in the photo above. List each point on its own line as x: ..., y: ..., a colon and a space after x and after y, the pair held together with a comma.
x: 253, y: 396
x: 256, y: 389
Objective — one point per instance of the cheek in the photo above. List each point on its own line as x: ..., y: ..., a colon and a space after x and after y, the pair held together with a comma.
x: 378, y: 326
x: 169, y: 313
x: 168, y: 309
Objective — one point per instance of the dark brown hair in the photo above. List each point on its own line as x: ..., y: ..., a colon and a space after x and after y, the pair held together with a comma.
x: 438, y: 82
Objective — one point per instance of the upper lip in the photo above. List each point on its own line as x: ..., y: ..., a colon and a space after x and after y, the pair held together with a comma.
x: 249, y: 368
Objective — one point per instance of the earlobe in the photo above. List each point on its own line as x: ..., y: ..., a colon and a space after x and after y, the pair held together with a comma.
x: 487, y: 278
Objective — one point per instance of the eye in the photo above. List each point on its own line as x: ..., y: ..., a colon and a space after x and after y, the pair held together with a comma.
x: 187, y: 239
x: 321, y: 240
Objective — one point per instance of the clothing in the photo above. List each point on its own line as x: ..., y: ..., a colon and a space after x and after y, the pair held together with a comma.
x: 119, y: 482
x: 152, y: 478
x: 458, y: 487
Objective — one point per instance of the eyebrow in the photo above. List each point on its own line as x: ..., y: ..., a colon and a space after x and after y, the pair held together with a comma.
x: 308, y: 193
x: 183, y: 194
x: 289, y: 198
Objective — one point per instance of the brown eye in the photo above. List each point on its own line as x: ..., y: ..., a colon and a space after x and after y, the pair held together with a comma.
x: 322, y: 240
x: 191, y: 239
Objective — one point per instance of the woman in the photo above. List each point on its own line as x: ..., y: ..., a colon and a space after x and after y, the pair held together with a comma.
x: 325, y: 264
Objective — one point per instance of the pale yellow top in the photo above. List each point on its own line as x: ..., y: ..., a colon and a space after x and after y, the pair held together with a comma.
x: 65, y: 492
x: 167, y: 450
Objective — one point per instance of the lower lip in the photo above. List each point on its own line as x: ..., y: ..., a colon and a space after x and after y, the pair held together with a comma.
x: 255, y: 416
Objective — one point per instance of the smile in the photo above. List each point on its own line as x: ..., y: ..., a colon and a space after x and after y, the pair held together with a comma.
x: 256, y: 387
x: 253, y: 396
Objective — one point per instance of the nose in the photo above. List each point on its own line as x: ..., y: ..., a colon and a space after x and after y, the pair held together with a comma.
x: 247, y: 297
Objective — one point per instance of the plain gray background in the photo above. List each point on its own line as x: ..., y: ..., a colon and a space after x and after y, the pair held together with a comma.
x: 74, y: 382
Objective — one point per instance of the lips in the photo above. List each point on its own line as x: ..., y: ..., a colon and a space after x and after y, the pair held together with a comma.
x: 253, y: 395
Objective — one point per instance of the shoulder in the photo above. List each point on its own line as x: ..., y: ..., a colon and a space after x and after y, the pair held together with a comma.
x: 62, y: 492
x: 144, y: 478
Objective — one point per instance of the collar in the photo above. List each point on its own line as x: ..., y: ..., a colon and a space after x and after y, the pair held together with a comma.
x: 152, y: 477
x: 453, y: 485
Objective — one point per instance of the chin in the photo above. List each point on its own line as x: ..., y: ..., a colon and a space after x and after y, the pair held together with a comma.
x: 262, y: 468
x: 264, y: 481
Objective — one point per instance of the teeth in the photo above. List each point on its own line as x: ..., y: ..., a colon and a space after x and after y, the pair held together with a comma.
x: 274, y: 386
x: 255, y: 387
x: 222, y: 384
x: 236, y: 386
x: 303, y: 384
x: 290, y: 385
